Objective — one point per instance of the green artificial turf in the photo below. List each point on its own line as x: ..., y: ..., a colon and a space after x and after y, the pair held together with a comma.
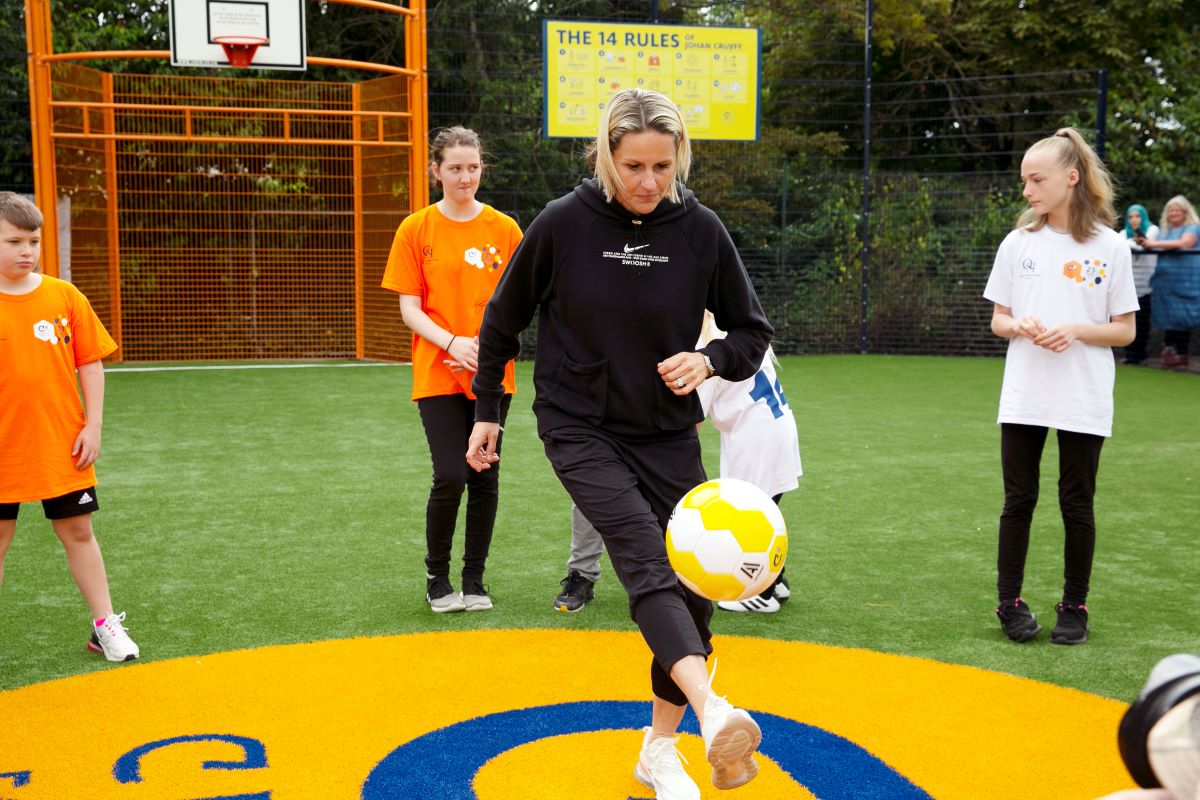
x: 246, y: 507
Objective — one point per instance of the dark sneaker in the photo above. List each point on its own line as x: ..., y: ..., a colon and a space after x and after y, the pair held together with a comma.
x: 474, y: 596
x: 577, y: 592
x: 1072, y: 627
x: 441, y: 595
x: 1017, y: 620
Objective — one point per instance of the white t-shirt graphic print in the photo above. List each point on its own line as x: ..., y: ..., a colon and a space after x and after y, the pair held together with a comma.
x: 1049, y: 275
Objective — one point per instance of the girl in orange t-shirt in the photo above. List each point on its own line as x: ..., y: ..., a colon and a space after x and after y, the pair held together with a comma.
x: 445, y: 263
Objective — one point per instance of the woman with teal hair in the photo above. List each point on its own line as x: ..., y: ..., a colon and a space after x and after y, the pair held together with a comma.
x: 1138, y: 224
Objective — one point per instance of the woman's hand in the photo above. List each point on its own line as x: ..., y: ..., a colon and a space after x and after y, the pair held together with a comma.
x: 481, y: 447
x: 683, y: 372
x: 465, y: 351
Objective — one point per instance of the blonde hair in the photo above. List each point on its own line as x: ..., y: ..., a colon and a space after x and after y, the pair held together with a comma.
x: 638, y: 111
x: 19, y: 212
x: 1189, y: 212
x: 1091, y: 201
x: 456, y: 136
x: 709, y: 331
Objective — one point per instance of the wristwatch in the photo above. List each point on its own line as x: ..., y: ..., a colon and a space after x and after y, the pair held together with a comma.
x: 708, y: 365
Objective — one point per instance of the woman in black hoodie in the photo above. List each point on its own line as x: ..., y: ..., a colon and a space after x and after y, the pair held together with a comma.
x: 620, y: 272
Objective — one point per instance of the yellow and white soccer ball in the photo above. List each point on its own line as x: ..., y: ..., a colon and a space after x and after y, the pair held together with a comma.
x: 727, y: 540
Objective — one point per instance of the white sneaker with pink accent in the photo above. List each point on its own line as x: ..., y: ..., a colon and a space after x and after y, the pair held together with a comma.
x: 111, y: 639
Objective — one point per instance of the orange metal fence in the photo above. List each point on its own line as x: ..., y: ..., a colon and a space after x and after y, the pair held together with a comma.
x: 228, y: 217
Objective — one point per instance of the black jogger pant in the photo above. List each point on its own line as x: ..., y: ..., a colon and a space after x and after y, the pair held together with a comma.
x: 448, y: 420
x: 627, y: 490
x: 1078, y: 461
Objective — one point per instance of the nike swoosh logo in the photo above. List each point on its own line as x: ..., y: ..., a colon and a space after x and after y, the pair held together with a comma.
x: 629, y: 249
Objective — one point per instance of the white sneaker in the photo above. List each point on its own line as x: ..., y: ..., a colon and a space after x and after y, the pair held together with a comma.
x: 658, y: 767
x: 782, y: 592
x: 111, y: 639
x: 730, y: 738
x: 755, y: 604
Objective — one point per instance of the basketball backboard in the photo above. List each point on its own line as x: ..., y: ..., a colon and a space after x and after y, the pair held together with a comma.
x: 198, y: 26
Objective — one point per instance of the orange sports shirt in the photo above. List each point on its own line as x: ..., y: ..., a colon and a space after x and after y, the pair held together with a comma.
x: 454, y: 268
x: 44, y: 336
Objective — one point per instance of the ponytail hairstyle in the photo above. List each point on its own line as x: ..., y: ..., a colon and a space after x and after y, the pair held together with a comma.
x: 638, y: 111
x: 456, y: 136
x: 1091, y: 201
x: 1189, y: 213
x: 1144, y: 228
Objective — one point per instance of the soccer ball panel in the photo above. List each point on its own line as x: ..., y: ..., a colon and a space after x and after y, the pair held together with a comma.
x: 684, y: 529
x: 716, y: 550
x: 724, y: 587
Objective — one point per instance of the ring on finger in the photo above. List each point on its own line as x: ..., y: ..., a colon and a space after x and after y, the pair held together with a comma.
x: 679, y: 383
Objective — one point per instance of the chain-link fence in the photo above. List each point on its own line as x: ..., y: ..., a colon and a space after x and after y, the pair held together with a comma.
x: 943, y: 182
x: 942, y: 187
x: 16, y: 155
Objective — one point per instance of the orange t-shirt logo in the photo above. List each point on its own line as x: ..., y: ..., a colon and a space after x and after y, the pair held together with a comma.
x: 53, y: 332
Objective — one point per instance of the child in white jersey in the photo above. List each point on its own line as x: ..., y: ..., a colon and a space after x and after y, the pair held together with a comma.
x: 759, y: 444
x: 1063, y: 294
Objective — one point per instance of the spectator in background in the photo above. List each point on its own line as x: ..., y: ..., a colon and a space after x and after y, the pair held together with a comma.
x: 1176, y: 281
x: 1138, y: 224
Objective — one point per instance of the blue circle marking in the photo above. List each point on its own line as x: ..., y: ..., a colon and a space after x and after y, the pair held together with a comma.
x: 442, y: 764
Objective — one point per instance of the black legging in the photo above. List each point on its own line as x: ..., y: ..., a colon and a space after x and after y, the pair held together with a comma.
x: 627, y: 490
x: 448, y: 420
x: 1078, y: 461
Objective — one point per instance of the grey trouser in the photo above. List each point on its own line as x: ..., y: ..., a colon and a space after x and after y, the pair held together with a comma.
x: 586, y: 546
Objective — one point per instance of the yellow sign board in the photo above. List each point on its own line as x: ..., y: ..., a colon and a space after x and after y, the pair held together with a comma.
x: 712, y: 74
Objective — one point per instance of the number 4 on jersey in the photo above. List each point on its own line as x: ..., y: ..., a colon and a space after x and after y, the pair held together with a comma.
x: 771, y: 393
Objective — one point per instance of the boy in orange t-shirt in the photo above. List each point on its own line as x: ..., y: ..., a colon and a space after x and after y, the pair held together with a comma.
x: 48, y: 335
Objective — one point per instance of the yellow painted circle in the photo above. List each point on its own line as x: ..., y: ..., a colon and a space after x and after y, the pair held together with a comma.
x: 327, y: 715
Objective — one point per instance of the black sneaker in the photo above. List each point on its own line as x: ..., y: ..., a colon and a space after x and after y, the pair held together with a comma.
x: 1072, y: 627
x: 475, y: 597
x: 1017, y: 620
x: 441, y: 595
x: 577, y: 592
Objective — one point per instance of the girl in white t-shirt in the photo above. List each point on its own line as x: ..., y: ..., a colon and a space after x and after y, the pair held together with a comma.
x: 759, y: 443
x: 1063, y: 291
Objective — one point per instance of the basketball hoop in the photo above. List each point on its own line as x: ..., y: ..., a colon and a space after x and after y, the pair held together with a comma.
x: 240, y: 50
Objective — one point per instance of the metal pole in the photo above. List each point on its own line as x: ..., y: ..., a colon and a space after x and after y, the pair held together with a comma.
x: 40, y: 43
x: 416, y: 59
x: 783, y: 223
x: 866, y: 180
x: 1101, y: 111
x: 654, y: 11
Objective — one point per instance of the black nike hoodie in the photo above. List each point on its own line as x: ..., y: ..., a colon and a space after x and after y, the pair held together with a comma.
x: 617, y: 293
